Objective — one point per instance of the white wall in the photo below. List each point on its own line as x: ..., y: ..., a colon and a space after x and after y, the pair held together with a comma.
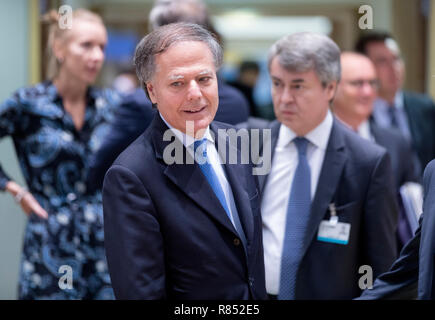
x: 14, y: 67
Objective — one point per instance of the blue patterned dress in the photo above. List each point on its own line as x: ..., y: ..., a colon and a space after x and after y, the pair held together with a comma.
x: 54, y: 158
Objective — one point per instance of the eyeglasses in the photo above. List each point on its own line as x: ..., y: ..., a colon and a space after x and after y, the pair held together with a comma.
x: 360, y: 83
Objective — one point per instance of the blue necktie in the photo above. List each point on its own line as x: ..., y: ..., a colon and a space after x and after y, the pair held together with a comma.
x: 392, y: 111
x: 210, y: 175
x: 298, y: 212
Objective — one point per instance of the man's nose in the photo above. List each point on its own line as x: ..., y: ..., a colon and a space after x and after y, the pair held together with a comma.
x: 367, y: 88
x: 287, y: 96
x: 194, y: 91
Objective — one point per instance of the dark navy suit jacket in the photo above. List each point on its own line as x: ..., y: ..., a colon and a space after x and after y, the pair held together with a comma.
x: 406, y: 168
x: 134, y: 116
x: 166, y: 233
x: 356, y: 175
x: 131, y: 119
x: 401, y: 155
x: 412, y: 274
x: 420, y: 110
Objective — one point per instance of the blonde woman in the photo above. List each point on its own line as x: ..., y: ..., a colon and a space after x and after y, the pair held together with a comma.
x: 56, y: 126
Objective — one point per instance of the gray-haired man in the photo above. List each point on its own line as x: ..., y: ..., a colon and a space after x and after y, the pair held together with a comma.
x: 328, y: 204
x: 184, y: 230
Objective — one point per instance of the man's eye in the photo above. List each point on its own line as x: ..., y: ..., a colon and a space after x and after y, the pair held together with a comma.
x: 296, y: 86
x: 87, y: 44
x: 176, y: 84
x: 276, y: 83
x: 205, y: 79
x: 381, y: 61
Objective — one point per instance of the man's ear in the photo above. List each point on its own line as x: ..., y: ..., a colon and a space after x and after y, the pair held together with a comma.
x: 151, y: 93
x: 331, y: 88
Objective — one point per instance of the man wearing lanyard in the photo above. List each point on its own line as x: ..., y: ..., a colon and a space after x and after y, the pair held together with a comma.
x: 411, y: 113
x: 328, y: 204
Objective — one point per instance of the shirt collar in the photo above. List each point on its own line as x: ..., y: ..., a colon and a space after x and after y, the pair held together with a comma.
x: 185, y: 138
x: 364, y: 130
x: 398, y: 100
x: 319, y: 136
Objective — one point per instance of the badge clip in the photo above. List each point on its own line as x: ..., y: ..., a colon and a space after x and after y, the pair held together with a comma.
x: 333, y: 220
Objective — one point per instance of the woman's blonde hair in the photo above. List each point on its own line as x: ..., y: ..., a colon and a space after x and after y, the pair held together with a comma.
x: 55, y: 33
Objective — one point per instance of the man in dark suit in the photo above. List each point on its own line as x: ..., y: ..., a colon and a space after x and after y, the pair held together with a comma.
x: 328, y: 205
x: 136, y: 112
x: 353, y: 105
x: 412, y: 274
x: 131, y: 119
x: 189, y: 229
x: 411, y: 113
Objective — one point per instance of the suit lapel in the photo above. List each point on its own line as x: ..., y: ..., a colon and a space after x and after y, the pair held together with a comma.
x: 335, y: 158
x: 416, y: 122
x: 379, y: 138
x: 236, y: 178
x: 188, y: 177
x: 275, y: 126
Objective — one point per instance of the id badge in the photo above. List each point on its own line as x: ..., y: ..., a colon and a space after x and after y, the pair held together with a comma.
x: 333, y: 231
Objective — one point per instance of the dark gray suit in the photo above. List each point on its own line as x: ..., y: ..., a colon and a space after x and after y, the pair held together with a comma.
x: 401, y: 155
x: 405, y: 167
x: 420, y: 110
x: 356, y: 176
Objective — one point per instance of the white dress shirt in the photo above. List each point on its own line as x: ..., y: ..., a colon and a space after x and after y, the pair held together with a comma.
x: 215, y: 161
x: 277, y: 192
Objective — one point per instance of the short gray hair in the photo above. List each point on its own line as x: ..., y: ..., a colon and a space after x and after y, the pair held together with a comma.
x: 172, y: 11
x: 159, y: 40
x: 304, y: 51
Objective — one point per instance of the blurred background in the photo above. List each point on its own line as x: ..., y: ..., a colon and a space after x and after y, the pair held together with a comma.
x: 247, y: 27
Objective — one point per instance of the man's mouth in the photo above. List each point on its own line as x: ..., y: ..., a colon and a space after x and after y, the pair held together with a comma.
x: 194, y: 110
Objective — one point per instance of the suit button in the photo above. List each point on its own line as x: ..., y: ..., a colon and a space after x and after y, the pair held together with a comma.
x: 236, y: 241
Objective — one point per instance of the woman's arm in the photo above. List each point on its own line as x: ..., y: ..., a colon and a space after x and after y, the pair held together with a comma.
x: 9, y: 124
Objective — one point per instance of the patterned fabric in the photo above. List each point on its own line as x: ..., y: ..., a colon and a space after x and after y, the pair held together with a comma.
x: 298, y: 212
x: 54, y: 159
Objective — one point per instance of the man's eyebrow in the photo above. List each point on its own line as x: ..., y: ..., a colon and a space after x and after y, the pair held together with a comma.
x: 176, y: 77
x: 204, y: 72
x: 299, y: 80
x: 179, y: 76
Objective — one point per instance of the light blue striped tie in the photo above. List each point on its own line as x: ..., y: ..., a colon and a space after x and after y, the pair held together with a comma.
x: 298, y: 212
x: 210, y: 175
x: 213, y: 180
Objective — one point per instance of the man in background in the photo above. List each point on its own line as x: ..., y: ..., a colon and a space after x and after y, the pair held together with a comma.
x: 328, y: 204
x: 353, y: 105
x: 411, y: 113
